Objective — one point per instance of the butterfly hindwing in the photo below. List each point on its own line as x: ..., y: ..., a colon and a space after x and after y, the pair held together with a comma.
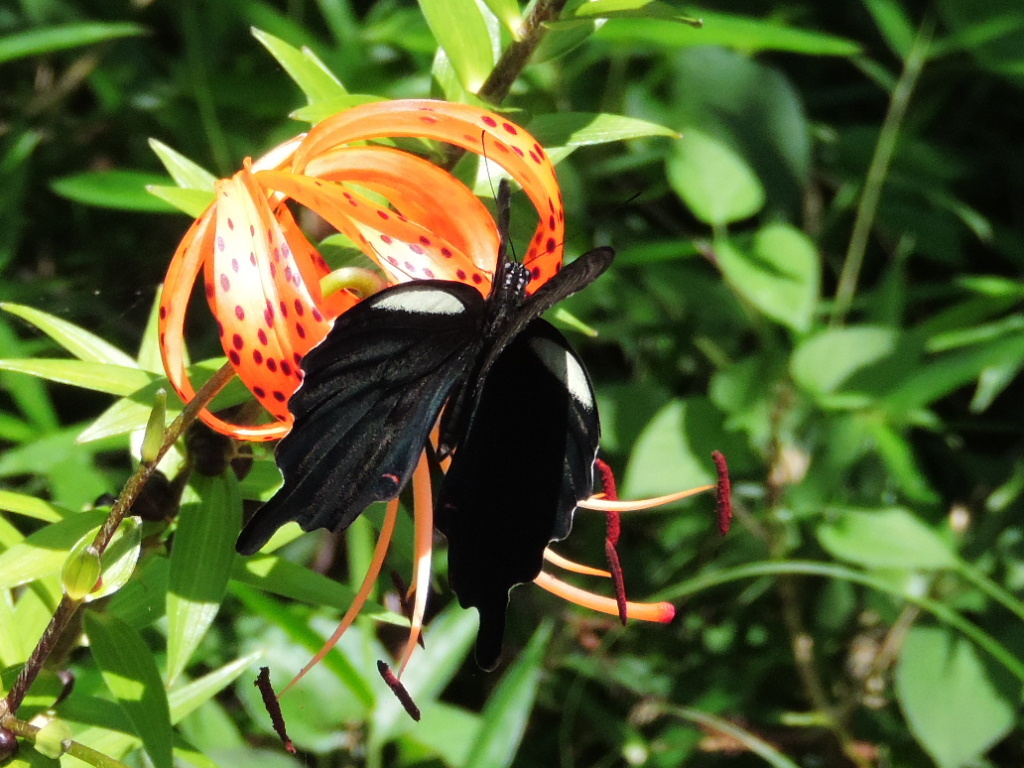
x: 371, y: 393
x: 517, y: 474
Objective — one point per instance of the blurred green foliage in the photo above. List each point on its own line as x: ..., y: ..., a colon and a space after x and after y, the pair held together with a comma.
x: 822, y: 279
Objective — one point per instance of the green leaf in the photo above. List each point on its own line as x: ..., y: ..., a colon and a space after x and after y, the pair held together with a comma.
x: 639, y: 9
x: 78, y: 341
x: 957, y: 705
x: 186, y: 173
x: 101, y: 377
x: 202, y: 559
x: 30, y: 506
x: 281, y: 577
x: 119, y: 189
x: 314, y: 113
x: 507, y: 711
x: 581, y: 129
x: 507, y: 12
x: 885, y: 538
x: 461, y: 30
x: 714, y: 179
x: 37, y: 42
x: 43, y: 552
x: 304, y: 67
x: 894, y: 24
x: 741, y: 32
x: 822, y: 363
x: 564, y: 36
x: 780, y: 275
x: 190, y: 201
x: 129, y: 670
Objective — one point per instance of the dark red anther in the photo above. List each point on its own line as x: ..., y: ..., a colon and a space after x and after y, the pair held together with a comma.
x: 403, y: 600
x: 273, y: 707
x: 723, y: 494
x: 611, y: 493
x: 613, y: 518
x: 620, y: 585
x: 399, y: 690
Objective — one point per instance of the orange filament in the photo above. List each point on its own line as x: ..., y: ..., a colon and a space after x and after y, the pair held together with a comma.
x: 660, y: 612
x: 372, y: 573
x: 601, y: 504
x: 423, y: 523
x: 571, y: 565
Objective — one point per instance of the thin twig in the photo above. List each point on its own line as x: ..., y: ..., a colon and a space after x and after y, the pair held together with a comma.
x: 86, y: 754
x: 68, y: 607
x: 877, y: 171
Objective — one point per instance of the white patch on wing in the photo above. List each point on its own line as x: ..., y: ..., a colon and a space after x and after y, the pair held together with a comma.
x: 428, y: 302
x: 566, y: 368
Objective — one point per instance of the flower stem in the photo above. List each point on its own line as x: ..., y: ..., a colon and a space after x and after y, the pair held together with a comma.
x: 68, y: 607
x: 877, y: 171
x: 516, y: 56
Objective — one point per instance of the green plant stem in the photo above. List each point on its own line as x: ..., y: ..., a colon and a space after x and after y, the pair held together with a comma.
x: 971, y: 574
x: 86, y: 754
x: 867, y: 207
x: 516, y: 56
x: 67, y: 607
x: 755, y: 744
x: 939, y: 610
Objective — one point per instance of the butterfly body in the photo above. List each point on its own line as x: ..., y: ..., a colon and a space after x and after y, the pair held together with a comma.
x: 520, y: 426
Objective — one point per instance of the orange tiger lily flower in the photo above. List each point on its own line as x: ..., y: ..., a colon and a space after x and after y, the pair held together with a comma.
x: 263, y: 277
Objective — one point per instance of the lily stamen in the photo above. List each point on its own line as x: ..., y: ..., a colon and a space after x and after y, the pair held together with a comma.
x: 565, y: 563
x: 599, y: 503
x: 659, y: 612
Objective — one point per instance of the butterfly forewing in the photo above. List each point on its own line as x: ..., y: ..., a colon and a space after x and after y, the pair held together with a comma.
x: 517, y: 474
x: 371, y: 394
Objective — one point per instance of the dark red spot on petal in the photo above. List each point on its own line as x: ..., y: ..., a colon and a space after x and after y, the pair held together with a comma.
x: 478, y: 278
x: 300, y: 330
x: 509, y: 128
x: 284, y: 309
x: 386, y: 239
x: 286, y: 368
x: 234, y: 265
x: 272, y: 365
x: 262, y: 336
x: 535, y: 273
x: 518, y: 151
x: 225, y: 283
x: 297, y: 358
x: 425, y: 240
x: 415, y: 248
x: 489, y: 121
x: 317, y: 316
x: 461, y: 274
x: 236, y: 340
x: 551, y: 245
x: 446, y: 252
x: 220, y: 243
x: 299, y: 309
x: 534, y: 156
x: 252, y: 258
x: 163, y: 313
x: 234, y: 357
x: 259, y: 392
x: 279, y: 396
x: 257, y: 357
x: 551, y: 222
x: 429, y: 273
x: 220, y: 328
x: 383, y: 214
x: 239, y: 312
x: 231, y: 224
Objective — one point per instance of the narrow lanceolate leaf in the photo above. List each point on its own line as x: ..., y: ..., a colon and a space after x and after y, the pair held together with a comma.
x: 580, y: 129
x: 130, y: 672
x: 304, y: 67
x: 460, y: 28
x: 186, y: 173
x: 637, y: 9
x: 76, y: 340
x: 101, y: 377
x: 36, y: 42
x: 119, y: 189
x: 201, y: 563
x: 508, y: 708
x: 507, y: 12
x: 30, y: 506
x: 43, y: 553
x: 190, y: 201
